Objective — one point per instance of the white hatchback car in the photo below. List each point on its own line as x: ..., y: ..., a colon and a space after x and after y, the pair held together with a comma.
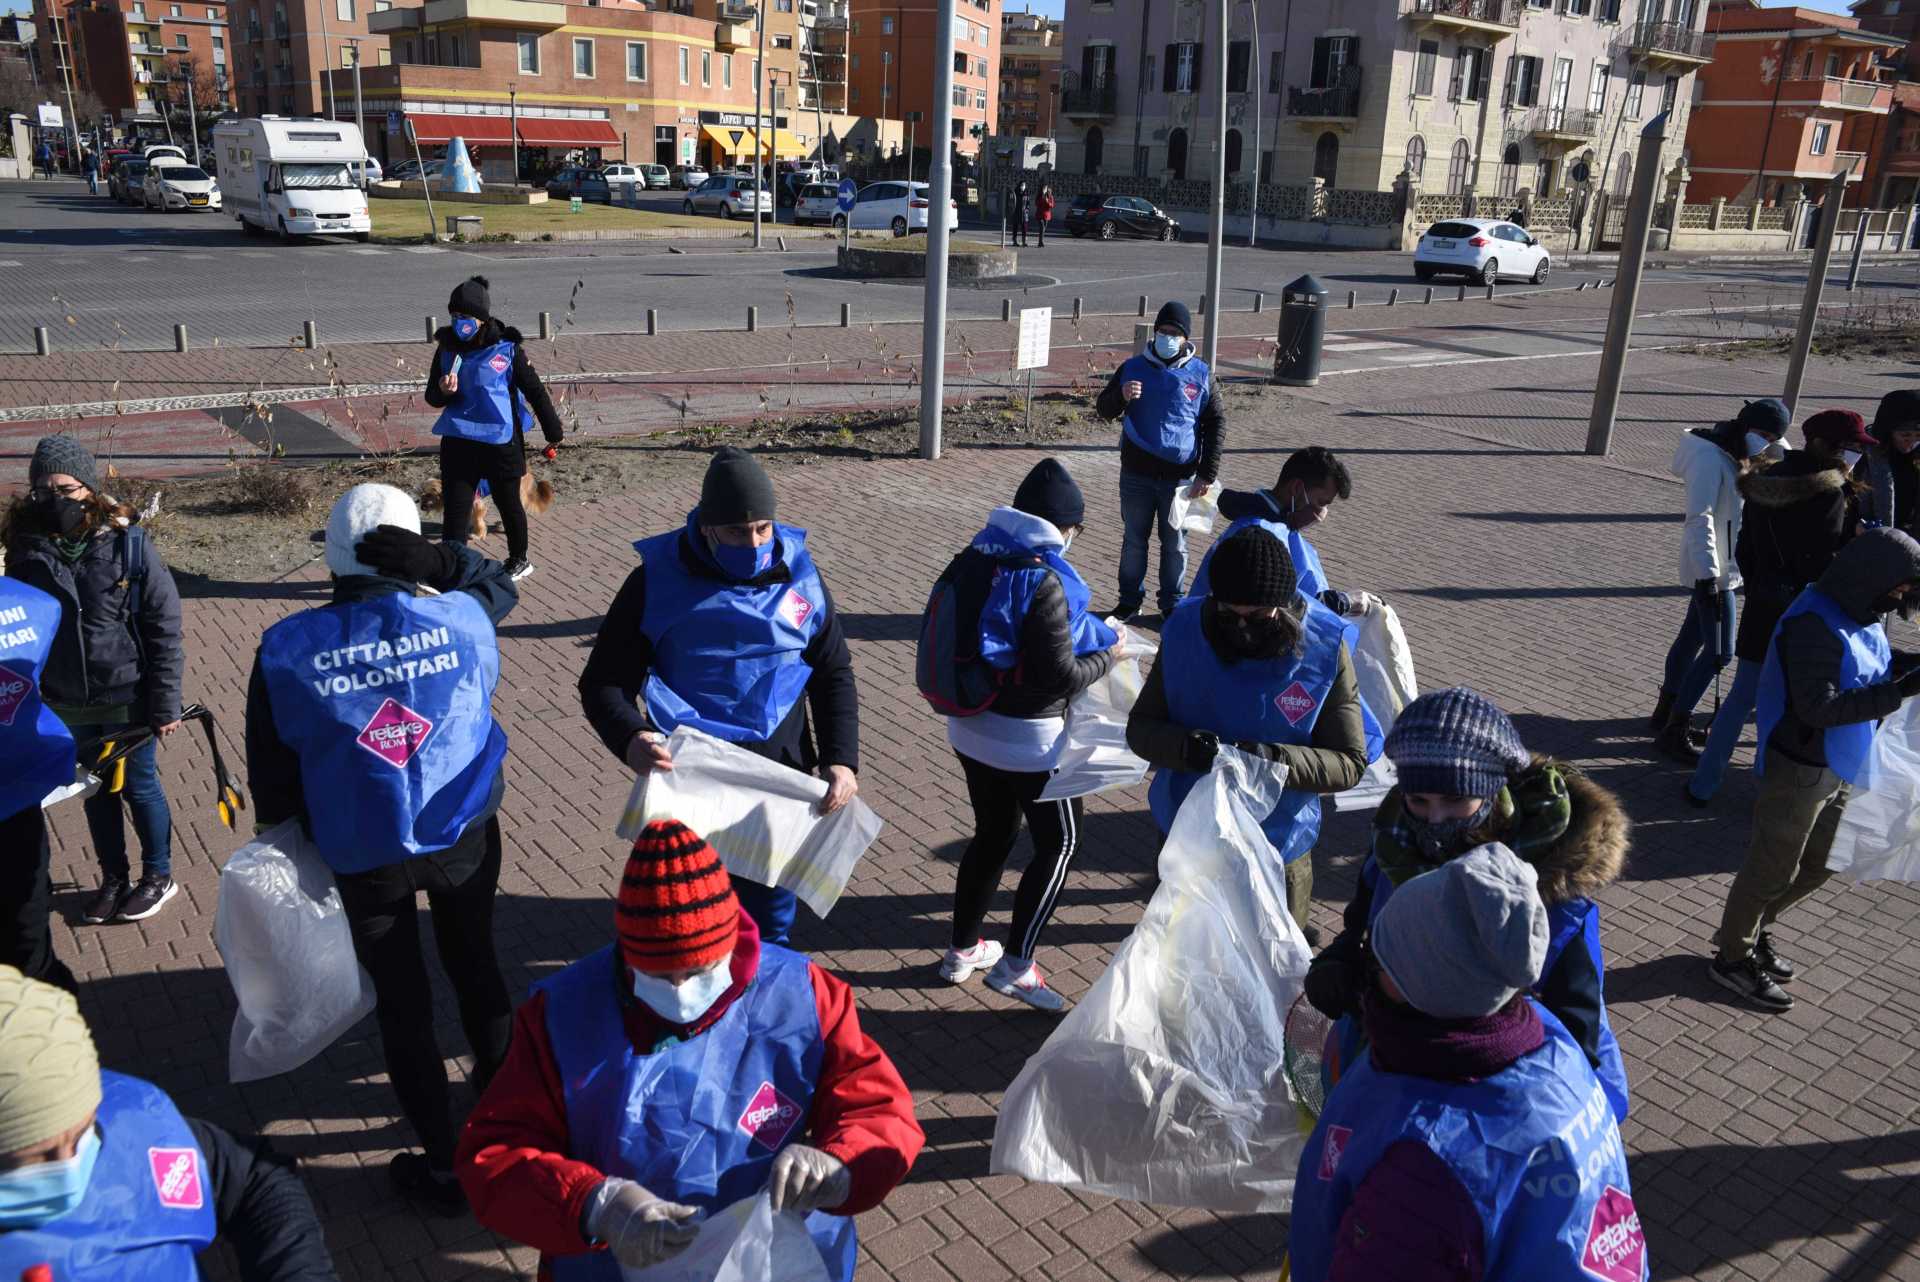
x: 170, y: 187
x: 898, y: 207
x: 1486, y: 249
x: 818, y: 203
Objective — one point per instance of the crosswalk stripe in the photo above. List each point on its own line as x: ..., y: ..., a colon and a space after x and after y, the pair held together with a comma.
x: 366, y: 251
x: 421, y: 249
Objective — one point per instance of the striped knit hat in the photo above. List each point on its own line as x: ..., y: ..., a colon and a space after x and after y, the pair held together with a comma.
x: 677, y: 909
x: 1455, y: 742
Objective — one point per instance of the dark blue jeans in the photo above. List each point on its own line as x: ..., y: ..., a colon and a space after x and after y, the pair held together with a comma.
x: 152, y: 819
x: 1704, y: 646
x: 771, y: 908
x: 1146, y: 505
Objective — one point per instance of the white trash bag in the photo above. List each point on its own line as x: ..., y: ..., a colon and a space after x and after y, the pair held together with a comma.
x: 747, y: 1242
x: 1879, y: 834
x: 283, y: 935
x: 1167, y: 1083
x: 1194, y: 515
x: 760, y: 817
x: 1095, y: 757
x: 1383, y: 666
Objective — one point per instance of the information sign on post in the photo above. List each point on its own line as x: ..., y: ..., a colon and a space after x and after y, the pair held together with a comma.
x: 1034, y: 349
x: 51, y: 117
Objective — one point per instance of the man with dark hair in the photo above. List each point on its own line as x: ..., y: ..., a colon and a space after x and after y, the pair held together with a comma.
x: 1311, y: 481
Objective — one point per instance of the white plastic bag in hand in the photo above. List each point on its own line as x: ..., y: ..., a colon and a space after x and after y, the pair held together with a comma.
x: 283, y: 935
x: 747, y: 1242
x: 1194, y: 515
x: 760, y: 817
x: 1095, y: 757
x: 1879, y: 834
x: 1383, y: 666
x: 1166, y: 1083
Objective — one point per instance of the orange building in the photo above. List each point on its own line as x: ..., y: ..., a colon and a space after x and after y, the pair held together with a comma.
x: 136, y: 56
x: 1791, y: 95
x: 890, y: 65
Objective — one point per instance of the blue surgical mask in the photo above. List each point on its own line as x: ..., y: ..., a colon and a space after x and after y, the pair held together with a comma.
x: 1167, y: 346
x: 744, y: 563
x: 682, y: 1004
x: 32, y: 1195
x: 465, y: 327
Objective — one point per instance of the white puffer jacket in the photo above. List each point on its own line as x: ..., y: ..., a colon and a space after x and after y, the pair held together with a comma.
x: 1713, y: 512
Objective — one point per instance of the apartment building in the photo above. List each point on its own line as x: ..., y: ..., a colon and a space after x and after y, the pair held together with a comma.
x: 1030, y: 49
x: 1487, y: 96
x: 1791, y: 94
x: 137, y: 56
x: 890, y: 62
x: 284, y: 48
x: 1893, y: 18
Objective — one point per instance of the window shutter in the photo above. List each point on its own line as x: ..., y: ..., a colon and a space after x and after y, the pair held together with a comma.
x: 1198, y: 49
x: 1168, y: 71
x: 1322, y: 48
x: 1483, y: 73
x: 1353, y: 53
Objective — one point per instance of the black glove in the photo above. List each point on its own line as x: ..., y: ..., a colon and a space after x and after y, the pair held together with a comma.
x: 402, y: 554
x: 1202, y: 747
x: 1333, y: 986
x: 1264, y: 751
x: 1707, y: 593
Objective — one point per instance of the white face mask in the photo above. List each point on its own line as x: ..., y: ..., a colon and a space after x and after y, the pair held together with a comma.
x: 682, y: 1004
x: 1066, y: 541
x: 1167, y: 346
x: 1759, y: 446
x: 1850, y: 458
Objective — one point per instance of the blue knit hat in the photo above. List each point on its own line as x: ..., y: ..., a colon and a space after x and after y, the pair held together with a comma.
x: 1455, y: 742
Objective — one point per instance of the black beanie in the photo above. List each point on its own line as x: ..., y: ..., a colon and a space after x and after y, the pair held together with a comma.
x: 1051, y: 494
x: 1898, y: 409
x: 1174, y: 312
x: 1253, y: 568
x: 470, y: 298
x: 736, y: 490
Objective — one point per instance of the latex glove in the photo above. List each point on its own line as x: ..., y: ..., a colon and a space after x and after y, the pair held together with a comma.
x: 1199, y: 489
x: 842, y: 784
x: 450, y: 384
x: 1361, y: 604
x: 1132, y: 389
x: 1333, y: 987
x: 647, y: 750
x: 640, y: 1229
x: 403, y: 554
x: 805, y: 1179
x: 1119, y: 647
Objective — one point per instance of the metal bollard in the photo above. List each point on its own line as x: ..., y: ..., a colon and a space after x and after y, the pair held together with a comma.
x: 753, y: 319
x: 1076, y: 309
x: 1580, y: 288
x: 1143, y: 305
x: 846, y: 315
x: 179, y: 338
x: 782, y: 242
x: 1393, y: 297
x: 546, y: 324
x: 310, y: 332
x: 1353, y: 296
x: 1463, y: 295
x: 1489, y: 291
x: 1006, y: 309
x: 1202, y: 309
x: 433, y: 327
x: 1429, y: 294
x: 653, y: 322
x: 42, y: 341
x: 1259, y: 301
x: 1142, y: 335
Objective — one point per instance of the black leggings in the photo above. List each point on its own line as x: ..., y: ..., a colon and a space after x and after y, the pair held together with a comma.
x: 26, y: 899
x: 999, y: 798
x: 459, y: 477
x: 460, y: 883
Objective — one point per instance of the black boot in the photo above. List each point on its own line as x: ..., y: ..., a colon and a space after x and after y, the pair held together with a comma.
x: 1676, y: 741
x: 1662, y: 713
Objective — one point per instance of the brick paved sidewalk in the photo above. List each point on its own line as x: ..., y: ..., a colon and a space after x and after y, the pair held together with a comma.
x: 1762, y: 1146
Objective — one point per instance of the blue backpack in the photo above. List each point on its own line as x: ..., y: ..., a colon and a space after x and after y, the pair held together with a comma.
x: 952, y: 677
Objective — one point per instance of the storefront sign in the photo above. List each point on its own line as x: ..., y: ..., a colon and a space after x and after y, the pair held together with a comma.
x: 738, y: 118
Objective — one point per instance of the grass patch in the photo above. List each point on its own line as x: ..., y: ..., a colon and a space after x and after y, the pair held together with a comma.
x: 917, y: 244
x: 407, y: 219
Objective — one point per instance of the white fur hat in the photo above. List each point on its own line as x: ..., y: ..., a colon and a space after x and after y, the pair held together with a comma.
x: 359, y: 512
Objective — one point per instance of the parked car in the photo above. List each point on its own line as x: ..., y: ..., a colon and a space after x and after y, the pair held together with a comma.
x: 128, y: 175
x: 728, y: 195
x: 159, y: 151
x: 411, y: 171
x: 1110, y: 216
x: 658, y: 177
x: 818, y: 203
x: 1486, y: 249
x: 687, y: 177
x: 587, y: 184
x: 171, y: 187
x: 622, y: 176
x: 374, y: 172
x: 899, y: 207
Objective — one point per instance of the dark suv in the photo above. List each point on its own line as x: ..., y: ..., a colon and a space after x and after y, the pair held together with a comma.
x: 1110, y: 216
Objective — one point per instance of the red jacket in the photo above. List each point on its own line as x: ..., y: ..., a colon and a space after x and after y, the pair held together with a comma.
x: 512, y: 1158
x: 1045, y: 205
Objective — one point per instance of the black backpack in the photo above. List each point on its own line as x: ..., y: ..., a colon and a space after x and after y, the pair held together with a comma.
x: 952, y: 677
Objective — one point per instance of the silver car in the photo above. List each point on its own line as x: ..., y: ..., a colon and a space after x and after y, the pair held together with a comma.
x: 688, y: 177
x: 728, y: 195
x: 818, y: 203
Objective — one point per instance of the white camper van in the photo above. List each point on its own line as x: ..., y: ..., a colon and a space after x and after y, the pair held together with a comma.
x: 293, y: 177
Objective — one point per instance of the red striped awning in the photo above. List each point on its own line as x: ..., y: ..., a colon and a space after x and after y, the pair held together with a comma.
x: 476, y: 130
x: 548, y: 131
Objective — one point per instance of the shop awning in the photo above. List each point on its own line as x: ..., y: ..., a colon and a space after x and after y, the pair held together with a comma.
x: 734, y: 140
x: 787, y: 147
x: 476, y: 130
x: 547, y: 131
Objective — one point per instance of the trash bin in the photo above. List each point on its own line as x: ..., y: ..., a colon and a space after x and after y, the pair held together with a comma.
x: 467, y: 225
x: 1303, y: 328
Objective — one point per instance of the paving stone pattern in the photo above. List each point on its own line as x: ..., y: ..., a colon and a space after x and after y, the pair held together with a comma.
x: 1762, y: 1146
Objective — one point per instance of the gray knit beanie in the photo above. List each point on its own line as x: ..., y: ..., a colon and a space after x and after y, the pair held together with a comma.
x: 1455, y: 742
x: 55, y: 455
x: 1461, y: 940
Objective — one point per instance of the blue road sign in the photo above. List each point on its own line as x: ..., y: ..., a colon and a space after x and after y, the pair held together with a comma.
x: 847, y: 190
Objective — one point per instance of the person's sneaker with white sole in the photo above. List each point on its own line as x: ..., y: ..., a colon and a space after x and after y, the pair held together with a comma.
x: 1018, y: 977
x: 958, y: 966
x: 147, y: 898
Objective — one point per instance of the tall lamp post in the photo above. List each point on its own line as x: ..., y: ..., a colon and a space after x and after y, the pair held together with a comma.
x: 359, y: 114
x: 759, y: 111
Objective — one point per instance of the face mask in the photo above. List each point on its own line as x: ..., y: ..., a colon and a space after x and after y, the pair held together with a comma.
x: 1849, y: 458
x: 1066, y: 541
x: 744, y: 563
x: 1891, y: 604
x: 1759, y: 446
x: 32, y: 1195
x: 465, y: 327
x: 1441, y: 839
x: 682, y: 1004
x: 1167, y: 346
x: 65, y: 515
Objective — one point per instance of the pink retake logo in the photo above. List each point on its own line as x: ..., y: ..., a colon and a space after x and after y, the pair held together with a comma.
x: 14, y: 690
x: 395, y: 734
x: 1337, y: 1137
x: 1296, y: 703
x: 176, y: 1178
x: 500, y: 363
x: 770, y: 1118
x: 795, y: 608
x: 1616, y: 1249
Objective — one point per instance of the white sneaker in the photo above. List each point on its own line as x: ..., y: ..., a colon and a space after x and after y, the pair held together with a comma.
x: 957, y: 967
x: 1018, y: 977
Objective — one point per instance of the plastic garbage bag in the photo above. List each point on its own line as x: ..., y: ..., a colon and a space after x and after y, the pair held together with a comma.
x: 1095, y: 757
x: 1167, y: 1083
x: 761, y: 817
x: 747, y: 1242
x: 1383, y: 666
x: 283, y: 935
x: 1194, y: 515
x: 1879, y: 834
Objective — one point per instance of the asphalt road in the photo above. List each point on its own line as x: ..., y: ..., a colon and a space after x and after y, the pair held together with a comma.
x: 99, y: 274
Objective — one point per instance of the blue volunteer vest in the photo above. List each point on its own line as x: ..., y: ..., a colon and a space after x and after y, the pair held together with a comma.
x: 727, y: 655
x: 148, y: 1208
x: 1162, y: 422
x: 1008, y: 601
x: 1865, y: 657
x: 1271, y: 701
x: 1309, y: 576
x: 389, y: 704
x: 698, y: 1122
x: 1535, y: 1146
x: 486, y: 408
x: 36, y: 748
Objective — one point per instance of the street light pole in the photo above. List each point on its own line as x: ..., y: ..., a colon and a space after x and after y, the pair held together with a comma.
x: 331, y: 99
x: 193, y: 114
x: 1217, y: 234
x: 513, y: 128
x: 1817, y: 281
x: 759, y: 118
x: 933, y: 323
x: 359, y: 108
x: 1253, y: 209
x: 1626, y: 288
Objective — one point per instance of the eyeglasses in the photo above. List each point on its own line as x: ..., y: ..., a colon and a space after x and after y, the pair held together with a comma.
x: 41, y: 493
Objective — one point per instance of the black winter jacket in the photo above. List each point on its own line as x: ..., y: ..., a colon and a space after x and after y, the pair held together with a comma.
x: 526, y: 382
x: 1210, y: 430
x: 261, y: 1209
x: 1797, y: 516
x: 102, y: 657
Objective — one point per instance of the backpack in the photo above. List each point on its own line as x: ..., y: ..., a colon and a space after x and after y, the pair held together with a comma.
x: 952, y: 677
x: 133, y: 556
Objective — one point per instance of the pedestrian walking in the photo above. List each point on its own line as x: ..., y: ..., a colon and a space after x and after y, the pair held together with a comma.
x: 90, y: 166
x: 1020, y: 210
x: 116, y: 663
x: 1710, y: 460
x: 1893, y: 465
x: 1172, y: 432
x: 728, y: 627
x: 1029, y: 629
x: 383, y: 700
x: 1472, y: 1142
x: 488, y: 395
x: 43, y: 158
x: 1259, y: 667
x: 101, y: 1176
x: 1830, y: 676
x: 1795, y: 517
x: 1311, y: 481
x: 1465, y: 778
x: 1043, y: 206
x: 713, y: 1066
x: 36, y: 757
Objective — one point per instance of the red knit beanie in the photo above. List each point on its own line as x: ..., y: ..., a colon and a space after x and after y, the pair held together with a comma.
x: 677, y: 909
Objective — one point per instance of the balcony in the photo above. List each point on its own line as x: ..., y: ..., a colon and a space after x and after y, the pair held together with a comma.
x: 1096, y: 99
x: 1837, y: 93
x: 1671, y: 44
x: 525, y: 14
x: 146, y: 47
x: 831, y: 18
x: 728, y: 36
x: 1492, y: 17
x: 1335, y: 102
x: 1561, y: 125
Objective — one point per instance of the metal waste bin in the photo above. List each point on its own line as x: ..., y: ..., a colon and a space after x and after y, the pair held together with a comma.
x: 1303, y: 328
